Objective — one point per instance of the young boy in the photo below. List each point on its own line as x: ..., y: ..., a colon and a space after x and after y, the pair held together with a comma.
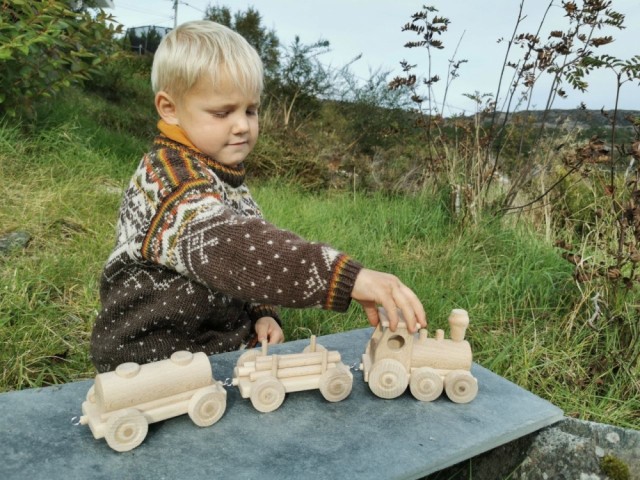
x: 195, y: 266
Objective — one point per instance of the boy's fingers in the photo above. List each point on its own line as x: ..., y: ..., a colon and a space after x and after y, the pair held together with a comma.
x: 403, y: 304
x: 411, y: 308
x: 421, y: 315
x: 276, y: 337
x: 416, y: 310
x: 261, y: 332
x: 372, y: 313
x: 392, y: 313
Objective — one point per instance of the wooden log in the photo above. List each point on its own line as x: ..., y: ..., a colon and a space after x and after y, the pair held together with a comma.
x: 274, y: 365
x: 300, y: 359
x: 292, y: 371
x: 288, y: 361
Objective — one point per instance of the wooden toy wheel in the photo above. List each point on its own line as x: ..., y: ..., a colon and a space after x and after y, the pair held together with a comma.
x: 126, y: 430
x: 207, y: 406
x: 267, y: 394
x: 461, y: 386
x: 248, y: 356
x: 388, y: 378
x: 336, y: 384
x: 426, y: 385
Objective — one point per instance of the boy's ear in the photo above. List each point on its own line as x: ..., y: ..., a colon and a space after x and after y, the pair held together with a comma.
x: 166, y: 107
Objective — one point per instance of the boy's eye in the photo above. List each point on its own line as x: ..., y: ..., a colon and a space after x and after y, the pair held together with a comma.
x: 252, y: 111
x: 220, y: 114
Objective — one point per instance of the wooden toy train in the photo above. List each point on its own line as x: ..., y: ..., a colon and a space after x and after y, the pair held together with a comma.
x: 121, y: 404
x: 393, y: 360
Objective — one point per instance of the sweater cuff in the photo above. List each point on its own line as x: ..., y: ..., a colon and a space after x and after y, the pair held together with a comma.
x: 344, y: 276
x: 256, y: 312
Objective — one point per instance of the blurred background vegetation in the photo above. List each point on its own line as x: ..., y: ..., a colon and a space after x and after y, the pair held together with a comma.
x: 528, y: 219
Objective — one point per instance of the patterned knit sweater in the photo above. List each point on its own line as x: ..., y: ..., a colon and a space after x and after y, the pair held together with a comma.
x: 195, y: 265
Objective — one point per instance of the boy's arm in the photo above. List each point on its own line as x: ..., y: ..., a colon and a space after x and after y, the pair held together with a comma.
x: 194, y: 233
x: 251, y: 259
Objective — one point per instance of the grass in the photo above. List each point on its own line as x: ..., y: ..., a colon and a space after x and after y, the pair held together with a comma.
x: 63, y: 183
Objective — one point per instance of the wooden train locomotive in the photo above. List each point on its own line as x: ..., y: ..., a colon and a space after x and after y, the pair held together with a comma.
x: 393, y: 360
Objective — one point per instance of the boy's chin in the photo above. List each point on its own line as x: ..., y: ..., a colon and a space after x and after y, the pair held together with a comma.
x: 230, y: 162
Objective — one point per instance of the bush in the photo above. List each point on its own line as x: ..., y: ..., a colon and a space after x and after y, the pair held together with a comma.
x: 46, y: 46
x: 125, y: 79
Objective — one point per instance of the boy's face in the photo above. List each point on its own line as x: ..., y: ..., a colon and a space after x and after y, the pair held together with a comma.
x: 221, y: 122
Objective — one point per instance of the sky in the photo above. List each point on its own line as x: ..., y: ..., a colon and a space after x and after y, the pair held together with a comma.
x: 373, y: 29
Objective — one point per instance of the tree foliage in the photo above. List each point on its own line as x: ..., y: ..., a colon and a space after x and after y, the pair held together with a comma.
x: 46, y: 46
x: 302, y: 79
x: 145, y: 39
x: 294, y: 76
x: 249, y: 25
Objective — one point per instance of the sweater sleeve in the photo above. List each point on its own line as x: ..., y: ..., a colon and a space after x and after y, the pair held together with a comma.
x: 196, y: 234
x: 256, y: 311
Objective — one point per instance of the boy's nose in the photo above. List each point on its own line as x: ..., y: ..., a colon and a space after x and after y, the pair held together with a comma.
x: 241, y: 124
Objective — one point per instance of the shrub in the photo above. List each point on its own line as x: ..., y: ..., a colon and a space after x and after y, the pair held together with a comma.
x: 125, y: 79
x: 46, y: 46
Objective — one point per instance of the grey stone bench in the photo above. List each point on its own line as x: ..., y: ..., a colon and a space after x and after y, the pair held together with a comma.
x: 362, y: 437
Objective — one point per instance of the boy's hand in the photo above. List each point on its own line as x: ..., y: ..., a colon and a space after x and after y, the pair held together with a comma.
x: 268, y: 330
x: 373, y: 288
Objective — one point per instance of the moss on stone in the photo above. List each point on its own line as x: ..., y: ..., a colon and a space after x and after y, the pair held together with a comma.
x: 614, y: 468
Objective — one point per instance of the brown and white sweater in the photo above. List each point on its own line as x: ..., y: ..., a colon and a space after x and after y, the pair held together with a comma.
x: 195, y: 264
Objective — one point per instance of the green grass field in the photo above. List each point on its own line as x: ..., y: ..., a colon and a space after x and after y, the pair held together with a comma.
x: 62, y: 184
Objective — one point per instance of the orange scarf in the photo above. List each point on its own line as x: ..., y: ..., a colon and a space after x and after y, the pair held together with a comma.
x: 176, y: 133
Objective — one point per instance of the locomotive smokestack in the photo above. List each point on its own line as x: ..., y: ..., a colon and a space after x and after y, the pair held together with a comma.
x: 458, y: 323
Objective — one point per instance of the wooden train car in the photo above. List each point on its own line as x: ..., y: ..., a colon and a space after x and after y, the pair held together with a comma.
x: 121, y: 404
x: 394, y: 360
x: 266, y: 378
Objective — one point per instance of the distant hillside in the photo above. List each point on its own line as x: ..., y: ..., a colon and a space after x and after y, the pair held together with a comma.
x: 584, y: 119
x: 586, y: 123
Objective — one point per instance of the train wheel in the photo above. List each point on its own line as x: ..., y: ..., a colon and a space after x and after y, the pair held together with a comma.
x: 207, y: 406
x: 336, y: 384
x: 126, y: 430
x: 267, y: 394
x: 426, y: 385
x: 388, y: 378
x: 461, y: 386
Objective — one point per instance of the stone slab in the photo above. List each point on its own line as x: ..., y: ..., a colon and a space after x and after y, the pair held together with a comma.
x: 362, y: 437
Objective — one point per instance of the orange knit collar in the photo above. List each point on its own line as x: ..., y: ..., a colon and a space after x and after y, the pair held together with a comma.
x: 233, y: 175
x: 176, y: 133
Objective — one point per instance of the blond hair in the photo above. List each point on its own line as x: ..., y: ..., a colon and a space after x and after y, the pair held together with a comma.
x: 205, y: 48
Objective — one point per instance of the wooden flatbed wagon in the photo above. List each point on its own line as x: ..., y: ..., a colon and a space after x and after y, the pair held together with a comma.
x: 266, y: 378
